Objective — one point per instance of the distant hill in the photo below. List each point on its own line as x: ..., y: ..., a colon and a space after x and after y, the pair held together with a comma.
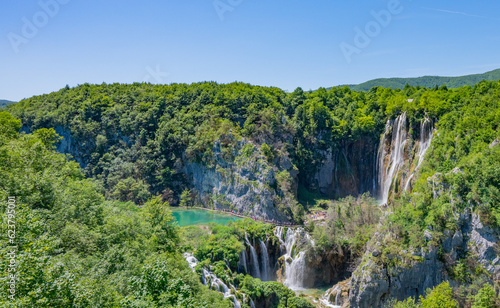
x: 427, y: 81
x: 4, y: 103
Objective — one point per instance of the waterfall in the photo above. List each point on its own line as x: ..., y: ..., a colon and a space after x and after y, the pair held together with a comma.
x: 252, y: 305
x: 426, y: 131
x: 326, y: 298
x: 192, y: 261
x: 253, y: 258
x: 295, y: 272
x: 220, y: 286
x: 215, y: 283
x: 295, y: 262
x: 266, y: 267
x: 242, y: 263
x: 396, y: 158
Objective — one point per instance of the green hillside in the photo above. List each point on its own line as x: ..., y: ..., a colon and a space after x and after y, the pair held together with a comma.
x: 4, y: 103
x: 427, y: 81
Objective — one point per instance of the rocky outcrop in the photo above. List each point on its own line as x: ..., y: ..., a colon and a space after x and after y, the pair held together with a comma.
x: 325, y: 268
x: 410, y: 273
x: 246, y: 184
x: 347, y: 170
x: 337, y: 296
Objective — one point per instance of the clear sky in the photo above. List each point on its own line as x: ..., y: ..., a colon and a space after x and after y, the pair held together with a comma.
x: 281, y: 43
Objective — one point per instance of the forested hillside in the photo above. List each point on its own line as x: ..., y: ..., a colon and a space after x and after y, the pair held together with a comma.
x: 265, y: 153
x: 4, y: 103
x: 427, y: 81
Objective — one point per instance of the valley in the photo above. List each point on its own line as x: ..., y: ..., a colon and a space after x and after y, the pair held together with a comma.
x: 112, y: 178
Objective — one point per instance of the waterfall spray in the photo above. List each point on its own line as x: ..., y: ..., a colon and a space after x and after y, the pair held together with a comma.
x: 266, y: 267
x: 253, y: 258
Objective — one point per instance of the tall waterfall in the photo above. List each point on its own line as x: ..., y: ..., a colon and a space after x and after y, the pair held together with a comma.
x: 295, y: 263
x: 253, y: 258
x: 266, y: 267
x: 396, y: 158
x: 391, y: 157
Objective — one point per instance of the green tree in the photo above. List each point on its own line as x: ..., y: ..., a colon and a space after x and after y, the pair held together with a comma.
x: 268, y: 153
x: 440, y: 296
x: 485, y: 298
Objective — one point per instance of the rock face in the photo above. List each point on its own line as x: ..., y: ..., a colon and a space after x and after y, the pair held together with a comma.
x: 373, y: 283
x: 326, y: 268
x: 247, y: 184
x: 348, y: 170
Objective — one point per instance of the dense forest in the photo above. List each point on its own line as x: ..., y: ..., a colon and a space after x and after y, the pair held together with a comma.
x: 4, y: 103
x: 96, y: 229
x: 427, y: 81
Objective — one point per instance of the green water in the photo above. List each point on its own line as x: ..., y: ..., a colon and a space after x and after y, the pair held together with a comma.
x: 200, y: 217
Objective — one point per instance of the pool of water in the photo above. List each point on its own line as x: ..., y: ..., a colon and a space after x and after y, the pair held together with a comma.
x: 200, y: 217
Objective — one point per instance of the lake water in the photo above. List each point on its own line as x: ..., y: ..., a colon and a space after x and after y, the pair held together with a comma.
x: 200, y: 217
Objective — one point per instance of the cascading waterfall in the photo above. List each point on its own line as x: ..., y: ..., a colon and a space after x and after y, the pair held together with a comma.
x: 396, y: 158
x: 266, y: 268
x: 325, y: 299
x: 426, y: 132
x: 253, y: 258
x: 215, y: 282
x: 295, y: 263
x: 192, y: 261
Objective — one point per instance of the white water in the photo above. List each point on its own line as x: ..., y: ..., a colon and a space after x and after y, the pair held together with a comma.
x: 266, y: 268
x: 426, y: 132
x: 243, y: 260
x: 252, y: 305
x: 325, y: 298
x: 396, y: 158
x: 215, y: 282
x: 253, y: 258
x: 295, y: 263
x: 192, y: 261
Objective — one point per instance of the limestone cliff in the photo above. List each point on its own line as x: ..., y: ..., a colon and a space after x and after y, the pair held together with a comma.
x: 347, y: 170
x: 246, y: 184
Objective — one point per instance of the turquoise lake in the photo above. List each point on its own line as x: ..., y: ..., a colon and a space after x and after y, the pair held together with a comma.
x: 200, y: 217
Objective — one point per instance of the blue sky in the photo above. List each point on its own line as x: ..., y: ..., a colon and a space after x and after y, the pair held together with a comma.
x: 280, y: 43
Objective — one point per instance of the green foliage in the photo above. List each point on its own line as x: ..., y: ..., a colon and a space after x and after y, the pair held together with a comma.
x: 73, y: 249
x: 440, y: 296
x: 266, y: 150
x: 186, y: 198
x: 485, y: 298
x: 350, y: 223
x: 271, y: 293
